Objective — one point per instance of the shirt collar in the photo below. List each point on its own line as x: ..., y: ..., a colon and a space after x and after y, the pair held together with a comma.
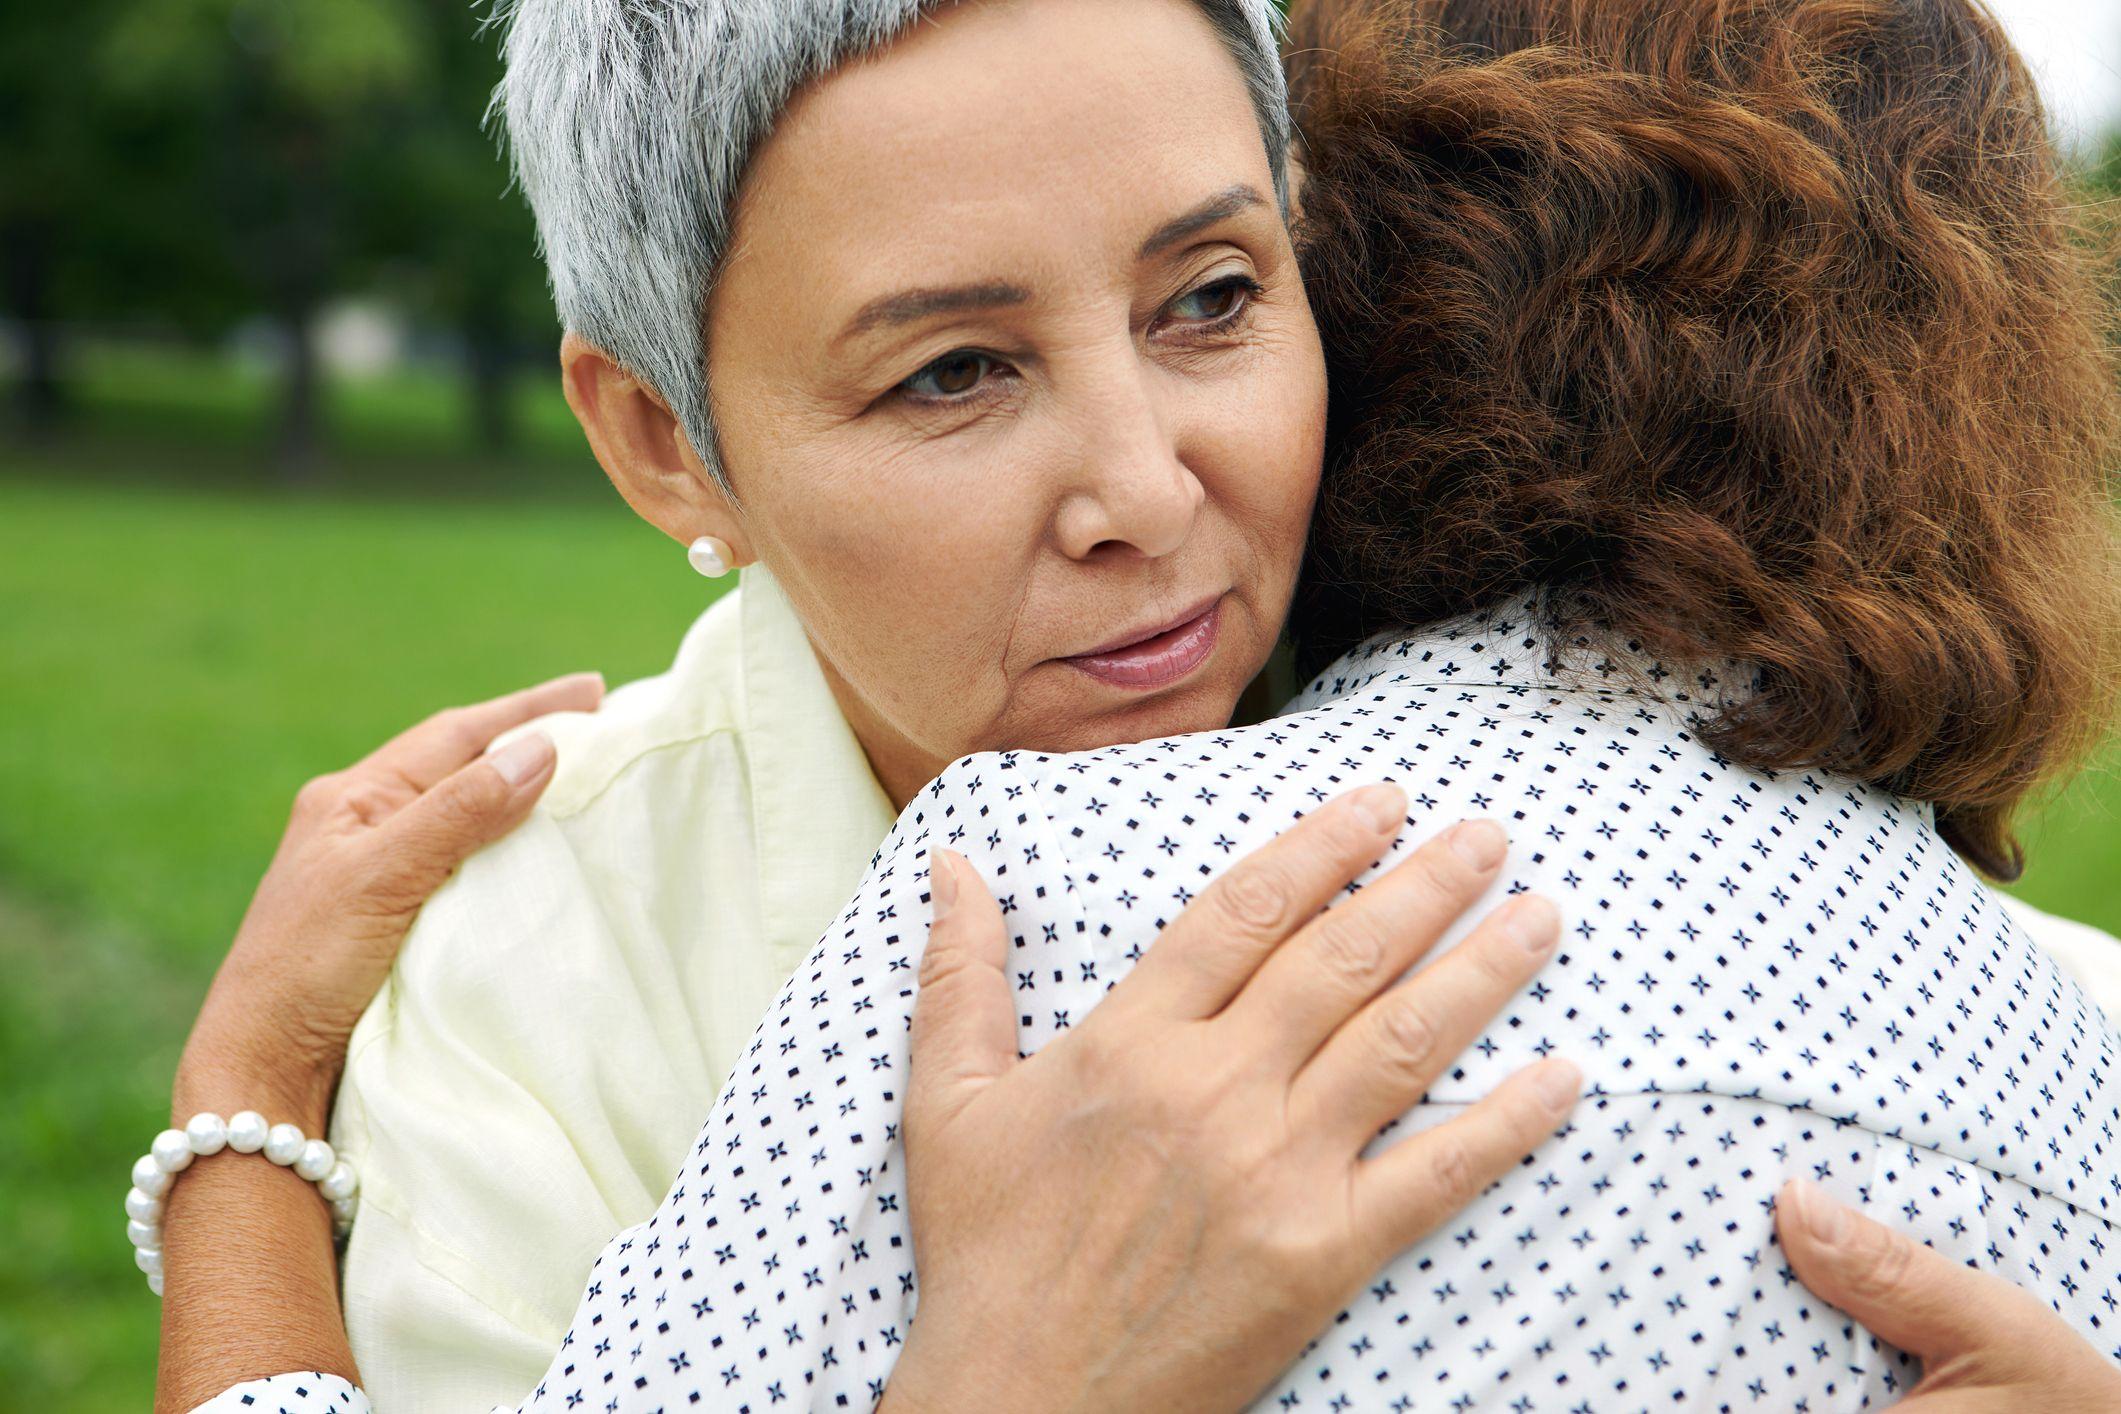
x: 1517, y: 644
x: 817, y: 808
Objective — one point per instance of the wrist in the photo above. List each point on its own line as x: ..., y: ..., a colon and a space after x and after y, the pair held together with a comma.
x: 225, y: 1081
x: 262, y: 1041
x: 943, y: 1376
x: 914, y: 1387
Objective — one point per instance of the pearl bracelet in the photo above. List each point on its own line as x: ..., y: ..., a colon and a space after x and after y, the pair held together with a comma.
x: 246, y: 1133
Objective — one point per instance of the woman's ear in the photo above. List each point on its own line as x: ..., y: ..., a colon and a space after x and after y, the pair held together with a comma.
x: 1299, y: 174
x: 638, y: 442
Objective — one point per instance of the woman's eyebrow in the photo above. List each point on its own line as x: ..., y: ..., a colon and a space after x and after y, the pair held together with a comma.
x: 908, y: 305
x: 1219, y: 207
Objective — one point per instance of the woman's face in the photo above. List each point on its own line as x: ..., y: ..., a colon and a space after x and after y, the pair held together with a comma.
x: 1017, y: 385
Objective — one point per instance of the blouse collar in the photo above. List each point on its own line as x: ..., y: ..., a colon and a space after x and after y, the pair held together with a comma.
x: 818, y: 809
x: 1518, y: 644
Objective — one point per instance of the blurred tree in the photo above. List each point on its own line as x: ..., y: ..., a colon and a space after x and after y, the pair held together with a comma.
x: 278, y: 103
x: 460, y: 246
x: 47, y: 168
x: 329, y: 146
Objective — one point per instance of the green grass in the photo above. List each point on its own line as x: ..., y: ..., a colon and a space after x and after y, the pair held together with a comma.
x: 2073, y: 845
x: 183, y: 642
x: 177, y: 663
x: 173, y: 664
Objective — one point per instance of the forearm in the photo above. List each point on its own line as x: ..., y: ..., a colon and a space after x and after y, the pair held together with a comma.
x: 248, y: 1271
x: 250, y: 1283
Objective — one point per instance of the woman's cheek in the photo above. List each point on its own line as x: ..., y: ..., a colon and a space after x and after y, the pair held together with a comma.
x: 1272, y: 460
x: 922, y: 555
x: 1303, y: 416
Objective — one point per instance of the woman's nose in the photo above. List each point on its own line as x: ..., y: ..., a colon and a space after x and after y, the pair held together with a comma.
x: 1133, y: 491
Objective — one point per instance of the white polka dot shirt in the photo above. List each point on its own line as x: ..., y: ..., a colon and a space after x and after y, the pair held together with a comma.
x: 1762, y: 978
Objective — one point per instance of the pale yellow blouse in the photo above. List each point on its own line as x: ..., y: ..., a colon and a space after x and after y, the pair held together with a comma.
x: 568, y: 1006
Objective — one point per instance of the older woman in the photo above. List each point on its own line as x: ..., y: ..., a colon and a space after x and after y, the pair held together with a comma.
x: 980, y: 344
x: 1142, y: 668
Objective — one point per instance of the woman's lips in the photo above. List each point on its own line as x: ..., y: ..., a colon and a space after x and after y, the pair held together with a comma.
x: 1160, y: 659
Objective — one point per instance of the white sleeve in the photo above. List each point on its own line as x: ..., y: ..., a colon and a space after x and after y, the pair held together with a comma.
x: 305, y: 1392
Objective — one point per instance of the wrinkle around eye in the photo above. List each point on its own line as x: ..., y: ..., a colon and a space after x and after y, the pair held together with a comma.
x: 938, y: 417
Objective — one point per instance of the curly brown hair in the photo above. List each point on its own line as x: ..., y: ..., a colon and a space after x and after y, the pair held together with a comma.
x: 1743, y: 329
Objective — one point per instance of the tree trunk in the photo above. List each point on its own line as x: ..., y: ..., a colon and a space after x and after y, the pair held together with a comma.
x: 297, y: 450
x: 486, y: 367
x: 40, y: 399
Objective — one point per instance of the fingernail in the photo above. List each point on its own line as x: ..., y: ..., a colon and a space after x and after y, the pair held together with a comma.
x: 1559, y: 1083
x: 524, y: 758
x: 942, y: 883
x: 1383, y: 808
x: 1533, y: 923
x: 1480, y: 843
x: 1826, y: 1220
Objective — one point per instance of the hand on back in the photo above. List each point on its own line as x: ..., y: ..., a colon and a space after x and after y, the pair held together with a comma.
x: 1986, y: 1346
x: 1159, y: 1210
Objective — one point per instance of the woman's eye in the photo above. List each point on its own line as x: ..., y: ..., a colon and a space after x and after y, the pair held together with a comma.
x: 1215, y: 303
x: 951, y: 376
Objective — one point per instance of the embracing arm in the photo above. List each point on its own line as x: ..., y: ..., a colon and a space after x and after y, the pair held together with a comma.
x: 241, y: 1238
x: 250, y: 1282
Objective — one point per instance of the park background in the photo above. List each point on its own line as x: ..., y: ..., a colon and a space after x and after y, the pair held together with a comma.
x: 283, y: 467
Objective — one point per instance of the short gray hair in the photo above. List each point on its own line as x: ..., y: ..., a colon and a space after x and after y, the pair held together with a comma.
x: 632, y: 123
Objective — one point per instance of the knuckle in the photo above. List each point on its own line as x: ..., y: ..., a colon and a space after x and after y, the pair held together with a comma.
x: 462, y: 728
x: 365, y: 800
x: 320, y: 793
x: 1883, y: 1266
x: 1406, y: 1036
x: 1452, y: 1173
x: 938, y: 964
x: 1348, y: 947
x: 469, y: 800
x: 441, y: 833
x: 1258, y: 899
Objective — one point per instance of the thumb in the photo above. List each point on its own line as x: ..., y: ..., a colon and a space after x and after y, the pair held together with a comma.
x: 1906, y: 1294
x: 467, y: 810
x: 964, y: 1026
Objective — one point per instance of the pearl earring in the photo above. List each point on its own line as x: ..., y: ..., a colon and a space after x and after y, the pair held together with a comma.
x: 710, y: 556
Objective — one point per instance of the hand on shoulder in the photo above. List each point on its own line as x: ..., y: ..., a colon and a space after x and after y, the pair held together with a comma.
x: 364, y: 849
